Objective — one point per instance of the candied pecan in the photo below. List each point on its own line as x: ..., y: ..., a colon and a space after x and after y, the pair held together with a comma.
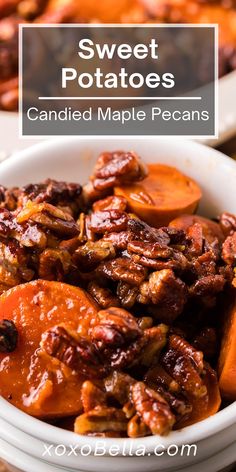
x: 123, y: 269
x: 108, y: 221
x: 177, y: 343
x: 206, y: 341
x: 159, y: 380
x: 181, y: 367
x: 229, y: 250
x: 118, y: 240
x: 92, y: 396
x: 137, y: 428
x: 176, y: 261
x: 116, y: 327
x: 118, y: 385
x: 54, y: 264
x: 102, y: 295
x: 117, y: 337
x: 228, y: 223
x: 204, y: 265
x: 8, y: 336
x: 89, y: 256
x: 156, y: 340
x: 50, y: 217
x: 27, y: 235
x: 141, y: 231
x: 127, y: 294
x: 119, y: 167
x: 153, y: 409
x: 157, y: 375
x: 150, y: 250
x: 206, y: 288
x: 113, y: 168
x: 114, y: 202
x: 101, y: 419
x: 72, y: 350
x: 53, y: 192
x: 177, y: 236
x: 166, y: 292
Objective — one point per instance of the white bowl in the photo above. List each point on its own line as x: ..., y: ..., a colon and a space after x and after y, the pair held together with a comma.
x: 24, y: 438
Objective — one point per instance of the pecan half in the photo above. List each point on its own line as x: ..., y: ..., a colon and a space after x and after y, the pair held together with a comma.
x: 184, y: 364
x: 102, y: 295
x: 127, y: 294
x: 141, y: 231
x: 116, y: 328
x: 50, y: 217
x: 114, y: 202
x: 166, y: 292
x: 159, y: 380
x: 118, y: 386
x: 53, y: 192
x: 118, y: 240
x: 108, y: 221
x: 150, y: 250
x: 119, y: 167
x: 137, y: 428
x: 206, y: 289
x: 153, y: 409
x: 113, y: 168
x: 8, y: 336
x: 89, y: 256
x: 123, y: 269
x: 101, y: 419
x: 92, y: 396
x: 54, y: 264
x: 73, y: 351
x: 179, y: 344
x: 118, y: 337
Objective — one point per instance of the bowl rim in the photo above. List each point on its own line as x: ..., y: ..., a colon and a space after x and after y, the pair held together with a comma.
x: 52, y: 434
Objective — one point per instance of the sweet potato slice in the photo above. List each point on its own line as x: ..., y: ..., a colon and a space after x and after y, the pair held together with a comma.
x: 162, y: 196
x: 211, y: 229
x: 227, y: 360
x: 29, y: 379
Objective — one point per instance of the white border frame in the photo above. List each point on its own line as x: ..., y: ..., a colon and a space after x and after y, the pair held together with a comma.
x: 215, y: 26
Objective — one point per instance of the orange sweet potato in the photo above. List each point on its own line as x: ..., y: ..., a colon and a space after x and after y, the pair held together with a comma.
x: 211, y: 229
x: 227, y: 360
x: 30, y: 380
x: 164, y: 195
